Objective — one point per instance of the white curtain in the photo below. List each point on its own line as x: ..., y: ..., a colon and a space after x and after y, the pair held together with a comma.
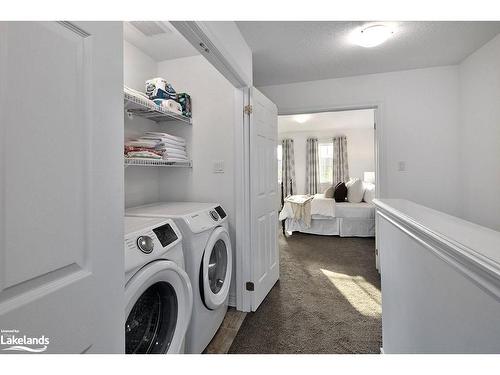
x: 288, y: 167
x: 340, y: 165
x: 312, y: 166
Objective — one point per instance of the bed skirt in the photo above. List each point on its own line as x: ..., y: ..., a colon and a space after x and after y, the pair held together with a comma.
x: 343, y: 227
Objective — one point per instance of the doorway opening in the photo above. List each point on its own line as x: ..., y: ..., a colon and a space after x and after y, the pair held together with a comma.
x: 328, y: 274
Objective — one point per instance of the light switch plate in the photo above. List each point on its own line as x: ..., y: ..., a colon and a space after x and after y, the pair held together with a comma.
x: 402, y: 166
x: 218, y: 166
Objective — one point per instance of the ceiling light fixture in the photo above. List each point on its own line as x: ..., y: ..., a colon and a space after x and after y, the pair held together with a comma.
x: 301, y: 118
x: 373, y: 35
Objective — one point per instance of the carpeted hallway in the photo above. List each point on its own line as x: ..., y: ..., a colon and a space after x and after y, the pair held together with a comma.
x: 327, y: 300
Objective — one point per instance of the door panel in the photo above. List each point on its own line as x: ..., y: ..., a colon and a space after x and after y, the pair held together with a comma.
x: 55, y: 46
x: 263, y: 195
x: 61, y: 197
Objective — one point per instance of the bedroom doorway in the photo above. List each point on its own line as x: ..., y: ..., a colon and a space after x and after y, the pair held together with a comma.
x: 328, y: 279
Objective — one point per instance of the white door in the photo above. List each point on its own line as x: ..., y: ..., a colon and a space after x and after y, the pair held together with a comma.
x: 61, y: 187
x: 263, y: 196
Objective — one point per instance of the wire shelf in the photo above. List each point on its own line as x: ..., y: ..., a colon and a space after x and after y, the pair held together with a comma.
x: 140, y: 107
x: 143, y: 162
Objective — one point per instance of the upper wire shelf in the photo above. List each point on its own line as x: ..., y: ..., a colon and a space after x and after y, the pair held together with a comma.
x: 139, y: 107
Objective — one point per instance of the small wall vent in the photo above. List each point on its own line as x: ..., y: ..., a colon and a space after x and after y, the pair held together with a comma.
x: 151, y: 28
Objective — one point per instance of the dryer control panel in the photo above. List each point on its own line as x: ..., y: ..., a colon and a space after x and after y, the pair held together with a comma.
x: 147, y: 239
x: 204, y: 220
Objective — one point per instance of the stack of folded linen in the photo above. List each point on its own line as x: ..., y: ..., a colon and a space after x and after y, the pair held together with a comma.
x: 154, y: 145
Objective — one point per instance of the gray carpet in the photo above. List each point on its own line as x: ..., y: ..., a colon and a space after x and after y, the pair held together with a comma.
x: 326, y: 301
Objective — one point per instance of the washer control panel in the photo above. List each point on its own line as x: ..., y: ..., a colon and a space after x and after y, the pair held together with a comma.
x: 148, y: 239
x: 214, y: 215
x: 207, y: 219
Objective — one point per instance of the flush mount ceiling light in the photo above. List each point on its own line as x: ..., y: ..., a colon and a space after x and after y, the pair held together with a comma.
x: 373, y: 35
x: 301, y: 118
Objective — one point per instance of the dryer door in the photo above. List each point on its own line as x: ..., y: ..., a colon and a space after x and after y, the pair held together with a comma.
x: 159, y: 305
x: 216, y: 267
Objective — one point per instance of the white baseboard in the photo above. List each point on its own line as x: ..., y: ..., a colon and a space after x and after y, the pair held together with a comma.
x: 232, y: 300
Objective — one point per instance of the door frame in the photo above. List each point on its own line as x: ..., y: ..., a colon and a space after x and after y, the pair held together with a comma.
x: 380, y: 156
x: 242, y: 180
x: 243, y: 271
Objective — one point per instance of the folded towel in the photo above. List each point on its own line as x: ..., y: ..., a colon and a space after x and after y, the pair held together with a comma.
x: 166, y: 135
x: 143, y: 154
x: 171, y: 151
x: 163, y: 140
x: 172, y: 144
x: 143, y: 143
x: 179, y: 160
x: 129, y: 149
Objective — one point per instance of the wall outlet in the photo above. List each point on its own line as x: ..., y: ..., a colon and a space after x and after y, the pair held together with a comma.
x: 402, y: 166
x: 218, y: 166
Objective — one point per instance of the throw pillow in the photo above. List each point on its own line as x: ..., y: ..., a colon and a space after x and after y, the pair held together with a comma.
x: 340, y: 192
x: 369, y: 195
x: 329, y: 192
x: 355, y: 190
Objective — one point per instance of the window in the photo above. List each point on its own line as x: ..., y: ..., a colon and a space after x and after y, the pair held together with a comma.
x: 325, y: 151
x: 280, y: 162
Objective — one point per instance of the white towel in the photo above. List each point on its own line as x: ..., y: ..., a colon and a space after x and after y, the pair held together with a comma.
x: 173, y: 151
x: 165, y: 141
x: 180, y: 160
x: 166, y: 135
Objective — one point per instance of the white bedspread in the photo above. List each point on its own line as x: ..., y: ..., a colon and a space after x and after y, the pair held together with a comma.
x: 319, y: 206
x: 322, y: 206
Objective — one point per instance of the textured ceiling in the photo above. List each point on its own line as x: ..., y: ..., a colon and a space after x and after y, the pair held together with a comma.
x: 285, y: 52
x: 359, y: 119
x: 166, y: 46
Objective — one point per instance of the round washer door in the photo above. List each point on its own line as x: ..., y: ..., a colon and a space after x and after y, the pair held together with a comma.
x: 216, y: 269
x: 159, y: 305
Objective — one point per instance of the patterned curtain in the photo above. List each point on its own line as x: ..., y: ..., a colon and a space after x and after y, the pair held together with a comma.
x: 340, y: 166
x: 312, y: 166
x: 288, y: 168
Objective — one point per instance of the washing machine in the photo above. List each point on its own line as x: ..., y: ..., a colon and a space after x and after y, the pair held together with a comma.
x: 158, y: 292
x: 208, y: 256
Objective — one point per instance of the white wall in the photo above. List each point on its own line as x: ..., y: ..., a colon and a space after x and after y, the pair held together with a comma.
x: 360, y: 151
x: 480, y: 135
x: 419, y: 120
x: 142, y: 185
x: 210, y: 138
x: 436, y: 299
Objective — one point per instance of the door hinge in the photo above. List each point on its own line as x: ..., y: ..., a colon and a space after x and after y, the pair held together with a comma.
x: 250, y: 286
x: 374, y: 125
x: 247, y: 109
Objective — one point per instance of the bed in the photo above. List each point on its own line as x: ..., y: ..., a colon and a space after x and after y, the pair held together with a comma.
x: 330, y: 218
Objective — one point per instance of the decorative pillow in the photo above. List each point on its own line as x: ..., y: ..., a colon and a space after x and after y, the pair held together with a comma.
x: 355, y: 190
x: 329, y: 192
x: 340, y: 192
x: 369, y: 192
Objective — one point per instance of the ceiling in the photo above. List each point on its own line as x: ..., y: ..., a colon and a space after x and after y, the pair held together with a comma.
x: 285, y: 52
x: 167, y: 45
x: 359, y: 119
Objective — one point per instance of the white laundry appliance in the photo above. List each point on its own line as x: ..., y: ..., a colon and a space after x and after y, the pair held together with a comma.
x: 158, y: 292
x: 208, y: 256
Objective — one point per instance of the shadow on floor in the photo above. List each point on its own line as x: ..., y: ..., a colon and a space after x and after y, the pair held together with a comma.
x: 326, y: 301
